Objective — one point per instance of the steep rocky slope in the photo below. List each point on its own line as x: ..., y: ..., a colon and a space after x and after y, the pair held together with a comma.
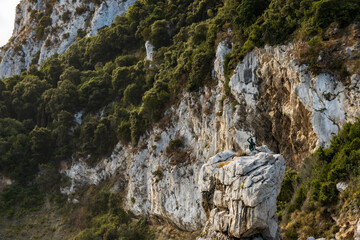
x: 189, y: 168
x: 279, y: 102
x: 43, y: 28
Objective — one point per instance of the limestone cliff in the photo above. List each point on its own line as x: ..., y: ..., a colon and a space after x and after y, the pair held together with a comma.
x: 212, y: 183
x: 34, y: 40
x: 276, y: 100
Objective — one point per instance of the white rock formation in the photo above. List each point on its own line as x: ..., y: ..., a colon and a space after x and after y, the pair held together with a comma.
x: 223, y: 49
x: 18, y: 54
x: 341, y: 186
x: 244, y: 84
x: 357, y: 231
x: 271, y: 103
x: 149, y: 51
x: 244, y: 191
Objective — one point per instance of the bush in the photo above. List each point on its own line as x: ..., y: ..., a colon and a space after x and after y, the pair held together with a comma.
x: 80, y: 10
x: 126, y: 60
x: 319, y: 177
x: 159, y: 34
x: 174, y: 145
x: 66, y: 16
x: 124, y: 132
x: 121, y: 78
x: 201, y: 71
x: 133, y: 94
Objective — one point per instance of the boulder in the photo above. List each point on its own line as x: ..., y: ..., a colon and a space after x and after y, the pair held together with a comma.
x: 239, y: 195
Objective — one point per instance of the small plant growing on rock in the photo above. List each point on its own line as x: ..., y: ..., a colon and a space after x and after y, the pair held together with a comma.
x: 174, y: 145
x: 158, y: 174
x: 157, y: 138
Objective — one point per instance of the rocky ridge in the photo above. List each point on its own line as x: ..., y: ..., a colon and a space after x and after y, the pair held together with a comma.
x: 25, y: 48
x: 280, y: 103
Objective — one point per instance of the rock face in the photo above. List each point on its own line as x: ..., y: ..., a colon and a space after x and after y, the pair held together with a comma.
x: 67, y: 17
x: 302, y: 111
x: 149, y: 51
x: 357, y: 231
x: 239, y: 195
x: 278, y: 102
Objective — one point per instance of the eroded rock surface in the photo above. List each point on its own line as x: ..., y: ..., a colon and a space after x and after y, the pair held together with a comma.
x: 20, y: 52
x: 239, y: 194
x: 275, y: 103
x: 357, y: 231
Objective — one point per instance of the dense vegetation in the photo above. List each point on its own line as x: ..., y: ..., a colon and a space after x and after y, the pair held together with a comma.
x: 116, y: 95
x: 310, y: 197
x: 104, y: 219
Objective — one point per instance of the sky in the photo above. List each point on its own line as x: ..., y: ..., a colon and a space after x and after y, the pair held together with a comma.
x: 7, y: 17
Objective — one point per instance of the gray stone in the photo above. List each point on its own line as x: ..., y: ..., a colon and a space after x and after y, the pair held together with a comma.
x: 357, y: 231
x: 341, y: 186
x: 13, y: 62
x: 246, y: 203
x: 149, y: 51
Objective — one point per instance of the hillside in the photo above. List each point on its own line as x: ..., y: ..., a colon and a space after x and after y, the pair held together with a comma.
x: 136, y: 125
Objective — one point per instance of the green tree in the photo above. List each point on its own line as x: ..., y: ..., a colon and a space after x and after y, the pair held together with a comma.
x: 159, y: 34
x: 133, y: 94
x: 26, y: 97
x: 42, y: 145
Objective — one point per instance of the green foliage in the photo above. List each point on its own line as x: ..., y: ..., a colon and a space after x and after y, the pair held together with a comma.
x: 159, y: 35
x: 42, y: 144
x: 175, y: 144
x: 124, y: 132
x: 26, y: 198
x: 66, y: 16
x: 107, y: 220
x: 95, y: 92
x: 119, y: 95
x: 288, y: 186
x: 132, y: 94
x: 26, y: 97
x: 314, y: 188
x: 158, y: 174
x: 201, y: 70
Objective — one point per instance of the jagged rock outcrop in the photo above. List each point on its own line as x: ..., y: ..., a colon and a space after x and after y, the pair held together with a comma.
x: 149, y: 51
x: 66, y: 16
x: 302, y: 110
x: 280, y: 103
x: 239, y: 195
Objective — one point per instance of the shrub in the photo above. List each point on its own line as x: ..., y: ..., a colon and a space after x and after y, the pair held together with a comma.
x: 201, y: 71
x: 82, y: 9
x: 66, y: 16
x: 319, y: 177
x: 174, y: 144
x: 124, y: 132
x: 45, y: 21
x: 121, y: 78
x: 158, y: 174
x: 133, y: 94
x: 126, y: 60
x: 159, y: 34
